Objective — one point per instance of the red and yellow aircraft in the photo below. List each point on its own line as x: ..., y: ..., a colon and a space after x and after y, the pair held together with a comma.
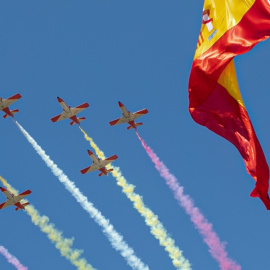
x: 14, y: 200
x: 69, y: 112
x: 128, y: 117
x: 4, y: 103
x: 99, y: 164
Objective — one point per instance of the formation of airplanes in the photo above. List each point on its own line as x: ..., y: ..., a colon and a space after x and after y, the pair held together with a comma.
x: 69, y: 113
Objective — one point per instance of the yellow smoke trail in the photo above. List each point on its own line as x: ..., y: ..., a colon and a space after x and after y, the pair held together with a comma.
x: 61, y: 243
x: 113, y: 236
x: 157, y: 229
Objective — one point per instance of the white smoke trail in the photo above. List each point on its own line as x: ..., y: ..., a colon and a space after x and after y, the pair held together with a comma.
x: 64, y: 245
x: 114, y: 237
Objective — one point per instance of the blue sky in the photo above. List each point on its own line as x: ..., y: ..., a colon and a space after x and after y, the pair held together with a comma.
x: 138, y: 52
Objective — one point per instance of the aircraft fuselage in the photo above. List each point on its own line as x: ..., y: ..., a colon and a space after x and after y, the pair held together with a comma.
x: 66, y: 108
x: 67, y: 112
x: 12, y: 198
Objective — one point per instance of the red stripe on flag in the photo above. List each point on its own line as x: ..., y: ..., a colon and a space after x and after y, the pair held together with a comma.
x: 212, y: 106
x: 222, y: 114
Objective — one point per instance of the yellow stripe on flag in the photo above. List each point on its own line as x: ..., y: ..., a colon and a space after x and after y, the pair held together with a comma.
x: 229, y: 81
x: 219, y: 17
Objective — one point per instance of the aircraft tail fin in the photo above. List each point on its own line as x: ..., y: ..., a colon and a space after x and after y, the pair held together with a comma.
x: 136, y: 124
x: 110, y: 170
x: 12, y: 112
x: 79, y: 119
x: 23, y: 205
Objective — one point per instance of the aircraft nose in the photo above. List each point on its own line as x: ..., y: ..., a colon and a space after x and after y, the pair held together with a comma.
x: 89, y: 152
x: 59, y: 99
x: 2, y: 189
x: 120, y: 104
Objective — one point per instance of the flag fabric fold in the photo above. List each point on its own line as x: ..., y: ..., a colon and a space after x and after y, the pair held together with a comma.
x: 229, y: 28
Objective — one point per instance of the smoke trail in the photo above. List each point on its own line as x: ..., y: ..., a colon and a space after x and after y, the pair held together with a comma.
x: 114, y: 237
x: 157, y: 229
x: 11, y: 259
x: 216, y: 247
x: 61, y: 243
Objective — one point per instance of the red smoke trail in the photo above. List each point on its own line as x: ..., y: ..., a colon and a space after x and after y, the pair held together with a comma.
x: 11, y: 259
x: 216, y: 247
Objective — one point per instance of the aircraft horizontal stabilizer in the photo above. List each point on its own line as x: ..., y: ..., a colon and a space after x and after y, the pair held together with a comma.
x: 23, y: 205
x: 136, y: 124
x: 110, y: 170
x: 12, y: 112
x: 79, y: 119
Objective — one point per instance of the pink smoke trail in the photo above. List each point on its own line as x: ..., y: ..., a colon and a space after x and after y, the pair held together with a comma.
x: 11, y: 259
x: 216, y: 247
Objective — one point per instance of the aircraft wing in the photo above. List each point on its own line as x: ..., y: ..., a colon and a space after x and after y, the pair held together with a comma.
x: 118, y: 121
x: 108, y: 160
x: 6, y: 204
x: 79, y: 108
x: 11, y: 100
x: 59, y: 117
x: 22, y: 195
x: 91, y: 168
x: 139, y: 113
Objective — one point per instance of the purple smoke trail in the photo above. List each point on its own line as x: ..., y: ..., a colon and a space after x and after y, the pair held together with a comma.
x: 216, y: 247
x: 11, y: 259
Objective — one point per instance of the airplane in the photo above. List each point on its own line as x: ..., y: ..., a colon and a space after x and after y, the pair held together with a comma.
x: 69, y: 112
x: 128, y: 117
x: 14, y: 200
x: 4, y: 103
x: 99, y: 164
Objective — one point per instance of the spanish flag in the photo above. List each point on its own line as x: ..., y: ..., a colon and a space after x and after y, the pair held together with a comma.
x: 229, y: 28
